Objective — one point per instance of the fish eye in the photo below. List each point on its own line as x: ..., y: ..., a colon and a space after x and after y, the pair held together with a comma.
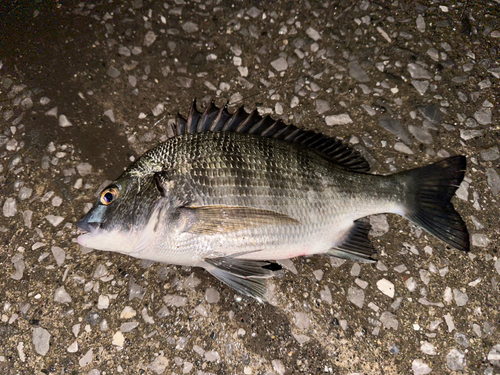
x: 109, y: 195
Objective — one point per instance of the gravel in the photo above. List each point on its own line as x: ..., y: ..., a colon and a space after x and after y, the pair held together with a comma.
x: 341, y: 119
x: 493, y: 181
x: 357, y: 72
x: 386, y: 287
x: 280, y: 64
x: 455, y: 360
x: 62, y: 296
x: 9, y: 207
x: 356, y: 296
x: 41, y: 340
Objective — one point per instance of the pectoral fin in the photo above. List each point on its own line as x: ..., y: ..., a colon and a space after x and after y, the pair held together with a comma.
x: 224, y: 219
x: 247, y: 277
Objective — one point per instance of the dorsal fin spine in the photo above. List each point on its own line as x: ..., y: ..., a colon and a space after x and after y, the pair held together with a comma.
x: 214, y: 119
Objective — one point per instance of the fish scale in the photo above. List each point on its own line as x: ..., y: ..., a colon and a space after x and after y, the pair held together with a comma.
x: 229, y: 193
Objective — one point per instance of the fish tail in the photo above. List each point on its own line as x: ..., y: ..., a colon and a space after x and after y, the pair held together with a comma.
x: 428, y: 201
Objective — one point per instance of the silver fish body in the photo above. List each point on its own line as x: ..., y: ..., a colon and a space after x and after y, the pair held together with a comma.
x: 230, y: 200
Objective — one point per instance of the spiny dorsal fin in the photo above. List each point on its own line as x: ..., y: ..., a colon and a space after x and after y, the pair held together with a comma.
x: 216, y: 119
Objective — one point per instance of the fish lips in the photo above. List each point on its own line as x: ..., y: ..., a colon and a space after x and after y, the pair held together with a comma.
x: 86, y: 229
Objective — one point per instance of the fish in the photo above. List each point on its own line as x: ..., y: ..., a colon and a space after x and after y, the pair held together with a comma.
x: 234, y: 193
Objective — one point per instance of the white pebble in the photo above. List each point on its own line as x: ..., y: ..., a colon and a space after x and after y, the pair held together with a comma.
x: 461, y: 298
x: 341, y: 119
x: 425, y: 276
x: 379, y: 224
x: 237, y: 61
x: 148, y: 319
x: 159, y: 364
x: 386, y: 287
x: 128, y: 326
x: 389, y: 320
x: 447, y: 295
x: 25, y: 193
x: 301, y: 339
x: 278, y: 108
x: 73, y: 348
x: 190, y: 27
x: 318, y: 274
x: 301, y: 320
x: 313, y: 34
x: 212, y: 295
x: 54, y: 220
x: 278, y: 366
x: 149, y: 38
x: 224, y: 86
x: 103, y: 302
x: 419, y: 367
x: 41, y: 340
x: 56, y: 201
x: 64, y: 122
x: 212, y: 356
x: 127, y: 313
x: 401, y: 147
x: 449, y: 322
x: 52, y: 112
x: 480, y: 240
x: 158, y: 109
x: 280, y: 64
x: 420, y: 23
x: 175, y: 300
x: 243, y: 71
x: 201, y: 309
x: 20, y: 351
x: 356, y: 296
x: 59, y: 255
x: 9, y: 207
x: 428, y: 348
x: 62, y: 296
x: 326, y: 295
x: 118, y: 339
x: 109, y: 113
x: 84, y: 168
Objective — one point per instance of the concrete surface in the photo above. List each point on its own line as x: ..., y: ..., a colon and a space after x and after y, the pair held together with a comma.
x: 86, y: 87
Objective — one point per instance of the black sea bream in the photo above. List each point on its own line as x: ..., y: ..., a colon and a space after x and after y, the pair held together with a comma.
x: 230, y: 192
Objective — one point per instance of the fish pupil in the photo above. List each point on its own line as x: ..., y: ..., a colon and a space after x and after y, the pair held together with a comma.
x: 108, y: 197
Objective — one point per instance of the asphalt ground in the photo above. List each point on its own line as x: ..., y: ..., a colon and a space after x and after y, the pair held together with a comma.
x: 86, y: 87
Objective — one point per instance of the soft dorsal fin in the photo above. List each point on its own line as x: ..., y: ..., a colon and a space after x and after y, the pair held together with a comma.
x: 216, y: 119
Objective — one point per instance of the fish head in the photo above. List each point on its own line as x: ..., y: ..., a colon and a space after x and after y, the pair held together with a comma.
x: 125, y: 216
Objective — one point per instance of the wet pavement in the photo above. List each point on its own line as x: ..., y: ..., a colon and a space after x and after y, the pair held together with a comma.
x: 87, y: 87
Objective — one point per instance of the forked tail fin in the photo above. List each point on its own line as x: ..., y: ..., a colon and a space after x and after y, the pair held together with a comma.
x: 428, y: 204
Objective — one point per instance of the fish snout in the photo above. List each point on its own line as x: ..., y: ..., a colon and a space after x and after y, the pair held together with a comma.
x: 86, y: 227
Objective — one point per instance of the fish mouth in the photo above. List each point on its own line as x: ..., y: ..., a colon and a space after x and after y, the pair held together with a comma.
x: 86, y: 227
x: 85, y: 230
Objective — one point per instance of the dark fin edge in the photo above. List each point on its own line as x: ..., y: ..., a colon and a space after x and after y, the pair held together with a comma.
x: 357, y: 246
x: 431, y: 189
x: 247, y: 277
x: 219, y: 119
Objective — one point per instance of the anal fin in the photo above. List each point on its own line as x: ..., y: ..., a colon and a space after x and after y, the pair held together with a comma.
x: 247, y: 277
x: 357, y: 246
